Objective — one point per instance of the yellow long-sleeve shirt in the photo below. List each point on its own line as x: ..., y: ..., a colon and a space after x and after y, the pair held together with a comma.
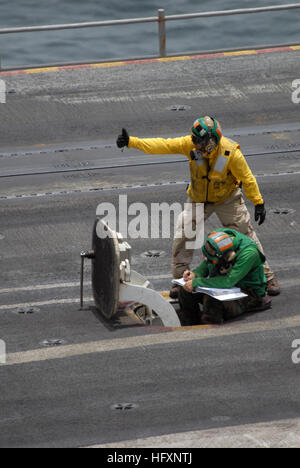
x: 213, y: 178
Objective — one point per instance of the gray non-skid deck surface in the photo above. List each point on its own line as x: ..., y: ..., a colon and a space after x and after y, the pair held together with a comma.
x: 58, y: 161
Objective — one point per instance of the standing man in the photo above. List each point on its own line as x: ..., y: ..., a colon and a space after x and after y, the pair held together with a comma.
x: 218, y: 169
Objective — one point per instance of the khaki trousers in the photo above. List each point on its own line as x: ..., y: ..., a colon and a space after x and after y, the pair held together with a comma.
x: 232, y: 214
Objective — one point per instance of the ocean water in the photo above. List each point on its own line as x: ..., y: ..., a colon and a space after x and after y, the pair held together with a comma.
x: 130, y: 41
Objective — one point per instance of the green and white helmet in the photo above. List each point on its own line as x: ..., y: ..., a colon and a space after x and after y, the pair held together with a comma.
x: 216, y: 245
x: 206, y: 132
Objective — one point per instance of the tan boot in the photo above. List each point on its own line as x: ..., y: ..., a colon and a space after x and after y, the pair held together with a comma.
x: 259, y: 304
x: 273, y: 288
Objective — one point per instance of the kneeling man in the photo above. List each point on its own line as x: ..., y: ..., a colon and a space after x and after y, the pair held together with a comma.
x: 231, y: 259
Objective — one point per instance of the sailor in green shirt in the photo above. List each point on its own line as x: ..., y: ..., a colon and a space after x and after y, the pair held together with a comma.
x: 231, y: 259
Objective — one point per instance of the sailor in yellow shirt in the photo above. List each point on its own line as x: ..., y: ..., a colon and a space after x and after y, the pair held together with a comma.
x: 218, y: 169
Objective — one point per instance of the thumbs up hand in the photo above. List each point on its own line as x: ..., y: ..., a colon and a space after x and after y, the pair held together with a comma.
x: 123, y: 139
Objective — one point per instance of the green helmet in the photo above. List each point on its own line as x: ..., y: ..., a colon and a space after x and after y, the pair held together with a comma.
x: 216, y: 245
x: 207, y: 132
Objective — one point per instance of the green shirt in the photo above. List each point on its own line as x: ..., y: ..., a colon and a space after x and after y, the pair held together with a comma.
x: 247, y: 272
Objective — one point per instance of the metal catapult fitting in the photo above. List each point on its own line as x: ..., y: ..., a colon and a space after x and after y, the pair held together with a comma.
x: 113, y: 280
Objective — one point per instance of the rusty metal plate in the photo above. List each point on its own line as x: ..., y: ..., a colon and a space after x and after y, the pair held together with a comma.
x: 105, y: 269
